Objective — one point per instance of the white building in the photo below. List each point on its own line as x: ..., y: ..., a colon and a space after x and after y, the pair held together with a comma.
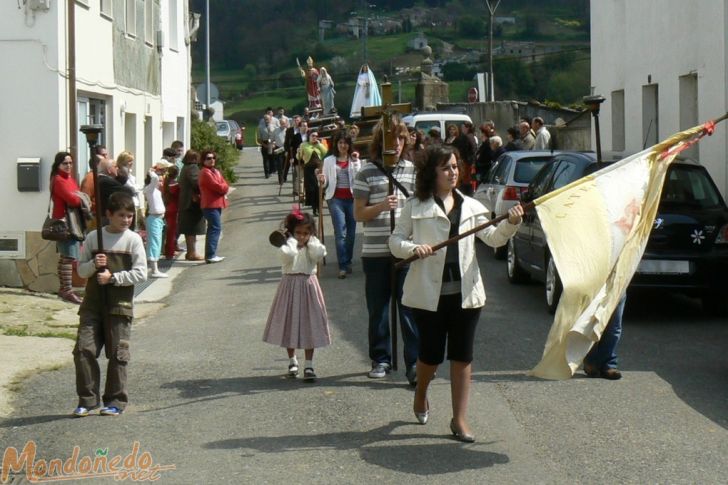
x: 662, y: 67
x: 133, y: 77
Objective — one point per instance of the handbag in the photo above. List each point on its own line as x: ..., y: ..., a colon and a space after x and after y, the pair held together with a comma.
x: 54, y: 229
x: 71, y: 227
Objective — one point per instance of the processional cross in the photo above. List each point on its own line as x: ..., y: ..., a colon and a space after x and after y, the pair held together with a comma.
x: 389, y: 113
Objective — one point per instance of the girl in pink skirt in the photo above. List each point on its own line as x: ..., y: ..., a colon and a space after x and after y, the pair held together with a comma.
x: 298, y: 318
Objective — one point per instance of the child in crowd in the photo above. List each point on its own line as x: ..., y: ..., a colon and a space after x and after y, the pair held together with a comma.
x: 155, y: 216
x: 170, y: 197
x: 298, y: 316
x: 106, y: 313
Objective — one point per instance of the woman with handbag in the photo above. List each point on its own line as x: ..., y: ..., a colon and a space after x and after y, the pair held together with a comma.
x: 64, y: 195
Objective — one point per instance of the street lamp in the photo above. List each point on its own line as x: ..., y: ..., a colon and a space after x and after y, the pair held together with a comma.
x: 592, y: 103
x: 92, y: 138
x: 491, y: 83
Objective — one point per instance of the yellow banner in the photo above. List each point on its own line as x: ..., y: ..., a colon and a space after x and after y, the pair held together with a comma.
x: 597, y: 229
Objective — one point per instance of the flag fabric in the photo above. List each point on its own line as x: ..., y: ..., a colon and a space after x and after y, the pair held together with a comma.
x: 597, y: 228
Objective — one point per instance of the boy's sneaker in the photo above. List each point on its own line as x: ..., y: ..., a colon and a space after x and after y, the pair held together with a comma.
x: 214, y: 259
x: 110, y: 411
x: 293, y: 370
x: 379, y: 370
x: 81, y: 412
x: 159, y: 274
x: 309, y: 374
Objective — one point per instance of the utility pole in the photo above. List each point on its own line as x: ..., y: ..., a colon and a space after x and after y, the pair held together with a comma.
x: 491, y: 8
x: 207, y: 57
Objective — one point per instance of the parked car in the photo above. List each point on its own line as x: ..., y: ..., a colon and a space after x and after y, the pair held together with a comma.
x: 425, y: 121
x: 224, y: 130
x: 688, y: 245
x: 508, y: 178
x: 229, y: 129
x: 240, y: 138
x: 687, y: 249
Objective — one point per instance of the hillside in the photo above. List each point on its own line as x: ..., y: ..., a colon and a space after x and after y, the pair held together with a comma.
x: 543, y: 54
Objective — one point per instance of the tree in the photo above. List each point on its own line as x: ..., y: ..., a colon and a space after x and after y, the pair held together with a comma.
x: 204, y: 137
x: 472, y: 27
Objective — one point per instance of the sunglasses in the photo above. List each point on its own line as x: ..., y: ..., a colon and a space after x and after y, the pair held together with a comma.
x: 209, y: 157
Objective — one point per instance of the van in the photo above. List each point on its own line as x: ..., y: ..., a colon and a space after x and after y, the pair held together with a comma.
x: 425, y: 121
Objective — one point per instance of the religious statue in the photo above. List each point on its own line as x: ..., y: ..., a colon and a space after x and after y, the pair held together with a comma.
x: 311, y: 74
x: 327, y: 92
x: 366, y: 92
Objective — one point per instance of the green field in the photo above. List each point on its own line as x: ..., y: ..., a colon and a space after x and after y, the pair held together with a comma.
x: 247, y: 93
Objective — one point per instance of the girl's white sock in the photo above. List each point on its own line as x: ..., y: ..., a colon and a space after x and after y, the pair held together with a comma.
x: 155, y: 267
x: 293, y: 360
x: 308, y: 364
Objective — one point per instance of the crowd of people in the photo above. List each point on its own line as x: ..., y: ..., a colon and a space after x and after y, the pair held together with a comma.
x: 183, y: 194
x: 405, y: 209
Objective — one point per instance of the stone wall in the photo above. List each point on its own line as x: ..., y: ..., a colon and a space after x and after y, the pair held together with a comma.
x: 38, y: 271
x: 574, y: 136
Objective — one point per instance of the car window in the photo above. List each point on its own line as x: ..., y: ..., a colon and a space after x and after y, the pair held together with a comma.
x: 541, y: 180
x: 426, y: 125
x: 499, y: 173
x: 221, y: 125
x: 527, y: 168
x: 566, y: 173
x: 690, y: 186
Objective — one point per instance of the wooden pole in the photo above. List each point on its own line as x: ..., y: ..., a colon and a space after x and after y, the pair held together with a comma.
x: 455, y: 239
x: 393, y: 283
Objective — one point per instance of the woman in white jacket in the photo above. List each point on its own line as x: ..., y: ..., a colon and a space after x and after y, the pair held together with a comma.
x: 444, y: 288
x: 337, y: 175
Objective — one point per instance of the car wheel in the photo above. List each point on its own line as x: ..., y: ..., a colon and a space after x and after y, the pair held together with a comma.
x: 715, y: 303
x: 553, y: 285
x: 516, y: 274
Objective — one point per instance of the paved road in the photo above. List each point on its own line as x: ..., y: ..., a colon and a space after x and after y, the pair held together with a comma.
x: 209, y: 397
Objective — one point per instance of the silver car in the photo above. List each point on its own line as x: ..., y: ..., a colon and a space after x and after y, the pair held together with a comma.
x: 508, y: 178
x: 228, y: 129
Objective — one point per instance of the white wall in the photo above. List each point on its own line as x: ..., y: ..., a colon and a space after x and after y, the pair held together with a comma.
x: 33, y: 119
x: 661, y: 40
x: 175, y: 65
x: 29, y: 118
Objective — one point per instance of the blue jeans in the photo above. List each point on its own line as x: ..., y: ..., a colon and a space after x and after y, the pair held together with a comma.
x: 342, y: 216
x: 603, y: 355
x: 214, y: 227
x: 378, y: 292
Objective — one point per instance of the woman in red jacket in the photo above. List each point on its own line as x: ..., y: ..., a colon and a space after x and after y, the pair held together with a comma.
x: 64, y: 194
x: 213, y: 189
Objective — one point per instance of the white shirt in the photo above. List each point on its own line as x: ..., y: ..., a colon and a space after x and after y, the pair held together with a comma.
x: 303, y: 260
x: 543, y: 137
x: 154, y: 195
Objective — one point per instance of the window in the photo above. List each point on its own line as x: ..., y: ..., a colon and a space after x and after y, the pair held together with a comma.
x: 499, y: 173
x: 173, y: 30
x: 618, y: 142
x: 689, y: 108
x: 149, y: 22
x: 527, y: 168
x: 565, y: 174
x: 130, y: 18
x: 650, y: 115
x: 106, y: 8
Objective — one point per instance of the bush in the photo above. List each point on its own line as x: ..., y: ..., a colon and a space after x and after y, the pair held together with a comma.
x: 204, y: 137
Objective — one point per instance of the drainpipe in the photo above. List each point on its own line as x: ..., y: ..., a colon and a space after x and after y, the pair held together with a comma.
x: 71, y: 66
